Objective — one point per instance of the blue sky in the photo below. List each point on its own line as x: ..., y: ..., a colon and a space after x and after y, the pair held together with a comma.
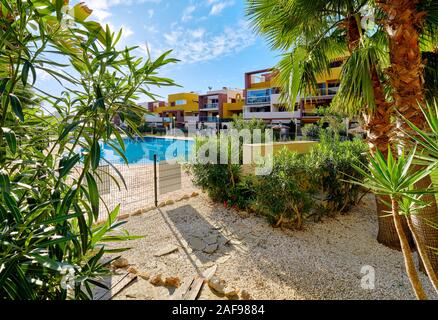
x: 212, y: 39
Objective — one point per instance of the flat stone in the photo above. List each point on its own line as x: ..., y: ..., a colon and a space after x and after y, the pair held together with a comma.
x: 166, y: 250
x: 169, y: 202
x: 196, y: 244
x: 211, y: 239
x: 209, y: 273
x: 223, y: 259
x: 211, y: 248
x: 194, y: 194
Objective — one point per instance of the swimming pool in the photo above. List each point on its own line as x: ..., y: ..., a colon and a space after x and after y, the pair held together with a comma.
x: 142, y: 150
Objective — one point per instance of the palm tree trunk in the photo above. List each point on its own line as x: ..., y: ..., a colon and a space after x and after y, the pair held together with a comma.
x: 378, y: 126
x: 402, y: 24
x: 407, y: 254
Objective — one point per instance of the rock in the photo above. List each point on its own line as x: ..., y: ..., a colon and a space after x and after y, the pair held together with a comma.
x: 231, y: 292
x: 136, y: 213
x: 209, y: 273
x: 211, y: 248
x: 162, y: 204
x: 196, y: 244
x: 131, y: 296
x: 169, y: 202
x: 166, y: 250
x: 123, y: 216
x: 245, y: 295
x: 144, y: 275
x: 223, y: 259
x: 194, y: 194
x: 217, y: 284
x: 120, y: 263
x: 147, y: 209
x: 184, y: 197
x: 156, y: 280
x: 132, y: 270
x: 174, y: 282
x: 211, y: 239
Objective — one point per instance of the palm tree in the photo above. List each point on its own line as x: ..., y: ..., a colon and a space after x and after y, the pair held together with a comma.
x: 411, y: 26
x: 315, y: 32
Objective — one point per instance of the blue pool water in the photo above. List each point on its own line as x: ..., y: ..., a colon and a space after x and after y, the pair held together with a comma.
x: 142, y: 150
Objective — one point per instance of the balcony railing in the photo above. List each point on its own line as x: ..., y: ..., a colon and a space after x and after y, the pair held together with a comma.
x: 210, y: 106
x: 257, y: 100
x: 208, y: 119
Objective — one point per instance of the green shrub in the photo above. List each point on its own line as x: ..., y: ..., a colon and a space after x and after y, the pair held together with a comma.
x: 285, y: 195
x: 333, y: 161
x: 50, y: 247
x: 311, y: 131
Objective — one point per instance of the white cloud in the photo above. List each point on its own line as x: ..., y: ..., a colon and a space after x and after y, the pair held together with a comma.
x: 151, y: 13
x: 187, y: 13
x: 219, y: 6
x: 197, y: 33
x: 197, y: 45
x: 101, y: 8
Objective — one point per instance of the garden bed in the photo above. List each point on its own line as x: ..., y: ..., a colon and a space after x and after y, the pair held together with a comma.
x: 323, y: 261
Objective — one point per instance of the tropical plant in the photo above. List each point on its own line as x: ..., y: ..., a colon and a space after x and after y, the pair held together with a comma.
x: 50, y: 166
x: 395, y: 178
x: 412, y: 27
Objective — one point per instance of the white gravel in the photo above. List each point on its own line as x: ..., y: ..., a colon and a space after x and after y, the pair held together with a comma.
x: 324, y: 261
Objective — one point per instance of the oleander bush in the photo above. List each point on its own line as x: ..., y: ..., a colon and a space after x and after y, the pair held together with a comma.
x: 285, y: 195
x: 50, y: 245
x: 299, y: 186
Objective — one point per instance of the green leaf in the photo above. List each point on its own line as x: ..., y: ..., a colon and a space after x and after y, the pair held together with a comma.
x: 10, y: 139
x: 95, y: 154
x: 5, y: 184
x: 66, y: 164
x: 94, y: 194
x: 16, y: 106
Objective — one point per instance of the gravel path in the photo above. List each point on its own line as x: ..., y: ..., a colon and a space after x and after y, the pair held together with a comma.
x: 324, y: 261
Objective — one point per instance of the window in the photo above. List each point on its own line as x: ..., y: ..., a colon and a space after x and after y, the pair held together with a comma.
x: 180, y: 102
x: 336, y: 64
x: 333, y: 87
x: 322, y: 89
x: 258, y: 96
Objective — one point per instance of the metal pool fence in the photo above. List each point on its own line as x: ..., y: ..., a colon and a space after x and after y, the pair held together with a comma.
x: 147, y: 184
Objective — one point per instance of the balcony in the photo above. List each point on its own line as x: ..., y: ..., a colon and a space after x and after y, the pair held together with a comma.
x: 210, y: 106
x: 271, y: 115
x: 258, y: 100
x: 191, y: 119
x: 208, y: 119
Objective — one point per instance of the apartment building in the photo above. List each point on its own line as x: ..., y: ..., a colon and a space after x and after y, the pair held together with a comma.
x: 262, y: 97
x: 181, y: 107
x: 220, y: 104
